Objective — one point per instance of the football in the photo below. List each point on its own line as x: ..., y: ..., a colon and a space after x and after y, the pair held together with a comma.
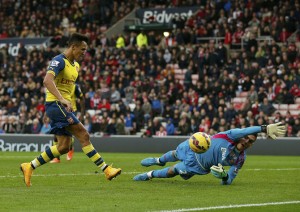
x: 199, y: 142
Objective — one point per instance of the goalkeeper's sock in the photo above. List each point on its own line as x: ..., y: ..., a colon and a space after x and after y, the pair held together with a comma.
x: 92, y: 153
x: 45, y: 157
x: 162, y: 173
x: 168, y: 157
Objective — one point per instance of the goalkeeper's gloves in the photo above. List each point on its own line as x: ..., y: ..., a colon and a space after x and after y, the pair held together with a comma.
x: 274, y: 130
x: 219, y: 172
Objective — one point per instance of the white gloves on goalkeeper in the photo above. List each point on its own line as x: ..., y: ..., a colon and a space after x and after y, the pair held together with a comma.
x: 274, y: 130
x: 218, y: 171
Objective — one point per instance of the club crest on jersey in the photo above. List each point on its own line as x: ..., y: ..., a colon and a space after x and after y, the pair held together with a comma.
x: 70, y: 120
x: 54, y: 63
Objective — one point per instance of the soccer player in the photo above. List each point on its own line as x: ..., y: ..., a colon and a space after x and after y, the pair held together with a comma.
x: 226, y: 149
x: 60, y: 78
x: 76, y: 94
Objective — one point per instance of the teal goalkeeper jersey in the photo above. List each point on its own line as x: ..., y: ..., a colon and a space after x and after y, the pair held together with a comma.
x: 223, y: 150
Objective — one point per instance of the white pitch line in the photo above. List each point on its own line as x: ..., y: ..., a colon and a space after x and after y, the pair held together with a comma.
x: 128, y: 173
x: 283, y: 169
x: 60, y: 175
x: 232, y: 206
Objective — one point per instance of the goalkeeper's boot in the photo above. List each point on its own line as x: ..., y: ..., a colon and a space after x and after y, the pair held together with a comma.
x: 143, y: 177
x: 151, y: 161
x: 70, y: 154
x: 27, y: 172
x: 55, y: 160
x: 111, y: 172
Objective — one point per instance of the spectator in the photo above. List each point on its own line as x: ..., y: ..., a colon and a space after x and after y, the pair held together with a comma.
x: 36, y: 126
x: 252, y: 94
x: 156, y: 106
x: 170, y: 128
x: 96, y: 123
x: 237, y: 36
x: 130, y: 124
x: 162, y: 132
x: 183, y: 125
x: 87, y: 125
x: 142, y: 40
x: 111, y: 127
x: 104, y: 105
x: 271, y: 95
x: 188, y: 78
x: 138, y: 115
x: 120, y: 127
x: 46, y: 125
x: 168, y: 112
x: 120, y: 43
x: 267, y: 107
x: 295, y: 90
x: 155, y: 125
x: 9, y: 125
x: 147, y: 110
x: 278, y: 116
x: 115, y: 95
x: 229, y: 113
x: 95, y: 100
x: 261, y: 94
x: 296, y: 127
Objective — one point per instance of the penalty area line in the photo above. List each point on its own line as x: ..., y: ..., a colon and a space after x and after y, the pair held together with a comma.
x: 231, y: 206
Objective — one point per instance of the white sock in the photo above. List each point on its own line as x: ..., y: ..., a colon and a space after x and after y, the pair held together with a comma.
x: 157, y: 160
x: 103, y: 166
x: 149, y: 174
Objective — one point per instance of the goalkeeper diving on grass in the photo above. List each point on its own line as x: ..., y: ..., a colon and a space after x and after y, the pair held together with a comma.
x: 202, y: 154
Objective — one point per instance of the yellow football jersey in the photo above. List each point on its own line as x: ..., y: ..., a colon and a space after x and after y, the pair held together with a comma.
x: 65, y: 73
x: 77, y: 93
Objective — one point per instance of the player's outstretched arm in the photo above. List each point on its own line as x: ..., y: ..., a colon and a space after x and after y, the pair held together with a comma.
x: 274, y: 130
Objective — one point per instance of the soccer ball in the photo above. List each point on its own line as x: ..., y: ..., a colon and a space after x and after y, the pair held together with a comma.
x: 199, y: 142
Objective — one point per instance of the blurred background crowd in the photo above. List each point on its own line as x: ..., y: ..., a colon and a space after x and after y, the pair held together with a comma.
x: 144, y: 83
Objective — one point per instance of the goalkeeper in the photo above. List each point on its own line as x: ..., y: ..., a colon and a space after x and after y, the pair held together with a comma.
x: 227, y: 149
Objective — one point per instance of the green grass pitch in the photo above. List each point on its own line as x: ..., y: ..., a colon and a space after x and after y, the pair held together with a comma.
x: 266, y: 183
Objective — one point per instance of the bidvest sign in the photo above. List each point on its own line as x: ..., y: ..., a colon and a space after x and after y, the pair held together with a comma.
x: 163, y: 16
x: 14, y: 44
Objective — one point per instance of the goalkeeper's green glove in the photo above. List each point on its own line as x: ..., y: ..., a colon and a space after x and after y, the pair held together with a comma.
x: 218, y: 171
x: 274, y: 130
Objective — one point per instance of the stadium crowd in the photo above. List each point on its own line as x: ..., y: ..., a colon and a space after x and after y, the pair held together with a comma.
x: 130, y: 82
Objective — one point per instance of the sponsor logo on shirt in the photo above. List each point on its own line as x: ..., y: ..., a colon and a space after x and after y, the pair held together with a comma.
x: 67, y: 81
x: 223, y: 150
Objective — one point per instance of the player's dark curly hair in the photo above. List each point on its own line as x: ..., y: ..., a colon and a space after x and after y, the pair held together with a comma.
x: 77, y: 38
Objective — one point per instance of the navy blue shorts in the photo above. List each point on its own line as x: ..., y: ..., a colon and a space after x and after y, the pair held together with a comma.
x: 60, y: 118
